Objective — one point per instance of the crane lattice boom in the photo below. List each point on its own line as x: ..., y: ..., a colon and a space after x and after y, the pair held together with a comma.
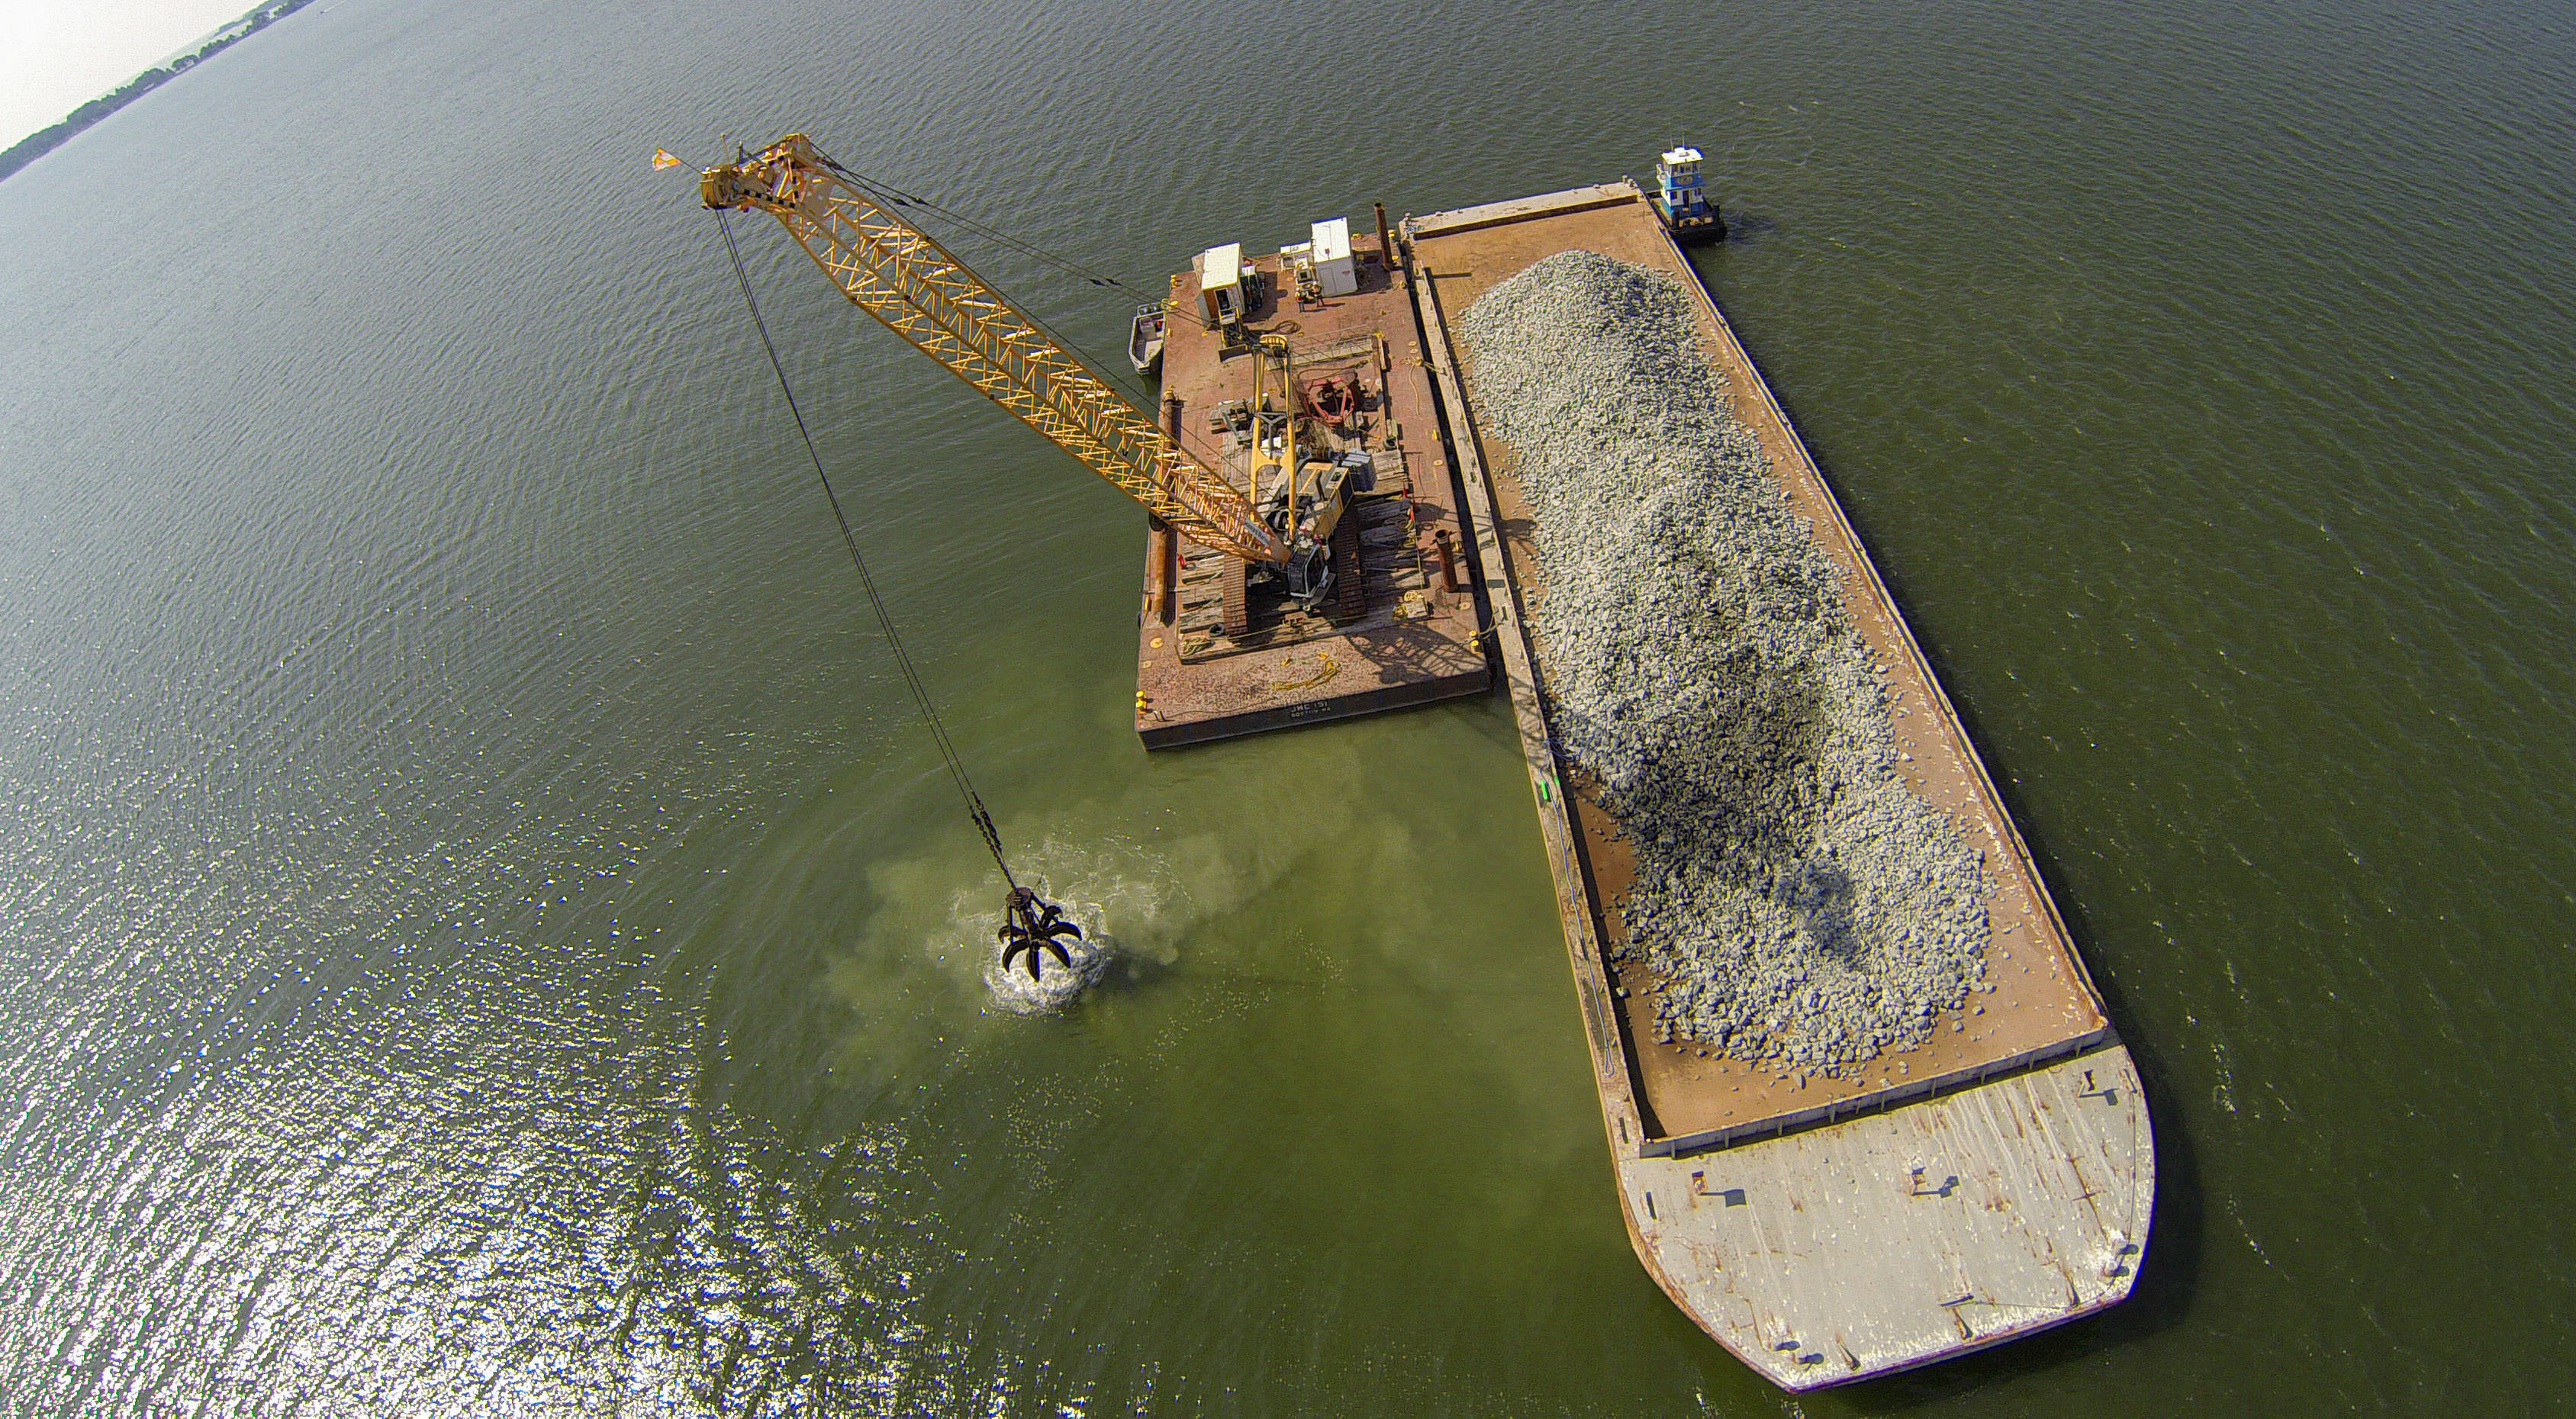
x: 915, y: 288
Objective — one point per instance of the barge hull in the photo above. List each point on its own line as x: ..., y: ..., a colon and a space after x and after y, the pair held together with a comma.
x: 1996, y: 1180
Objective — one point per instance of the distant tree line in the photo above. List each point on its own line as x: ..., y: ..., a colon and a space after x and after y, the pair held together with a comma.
x: 36, y: 145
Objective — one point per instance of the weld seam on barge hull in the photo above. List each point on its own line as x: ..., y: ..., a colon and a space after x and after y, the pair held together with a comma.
x: 2062, y: 1148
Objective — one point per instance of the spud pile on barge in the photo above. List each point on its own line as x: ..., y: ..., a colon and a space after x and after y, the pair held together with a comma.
x: 1797, y: 900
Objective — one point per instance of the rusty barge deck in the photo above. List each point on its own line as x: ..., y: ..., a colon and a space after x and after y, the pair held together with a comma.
x: 1992, y: 1182
x: 1412, y: 637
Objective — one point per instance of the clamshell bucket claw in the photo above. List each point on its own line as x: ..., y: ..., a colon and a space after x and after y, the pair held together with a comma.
x: 1032, y: 924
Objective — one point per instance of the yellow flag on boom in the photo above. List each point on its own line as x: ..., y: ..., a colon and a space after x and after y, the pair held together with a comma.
x: 663, y: 159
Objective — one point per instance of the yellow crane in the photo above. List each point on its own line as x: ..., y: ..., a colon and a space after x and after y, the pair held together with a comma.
x: 1293, y: 533
x: 917, y: 289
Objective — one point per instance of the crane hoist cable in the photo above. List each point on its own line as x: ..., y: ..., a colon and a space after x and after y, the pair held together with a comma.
x: 888, y: 195
x: 903, y: 279
x: 897, y: 197
x: 1030, y: 923
x: 891, y: 196
x: 894, y: 196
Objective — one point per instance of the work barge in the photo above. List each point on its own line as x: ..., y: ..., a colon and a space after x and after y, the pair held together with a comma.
x: 1825, y: 1227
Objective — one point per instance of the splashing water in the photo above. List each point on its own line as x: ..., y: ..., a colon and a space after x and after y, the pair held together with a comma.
x: 1056, y: 986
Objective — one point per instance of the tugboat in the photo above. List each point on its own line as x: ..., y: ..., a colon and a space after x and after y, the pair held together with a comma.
x: 1145, y: 338
x: 1681, y: 202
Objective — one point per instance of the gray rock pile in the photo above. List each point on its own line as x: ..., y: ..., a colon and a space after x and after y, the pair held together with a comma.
x: 1799, y: 902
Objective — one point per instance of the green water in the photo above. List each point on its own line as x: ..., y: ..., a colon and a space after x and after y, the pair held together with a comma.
x: 480, y: 932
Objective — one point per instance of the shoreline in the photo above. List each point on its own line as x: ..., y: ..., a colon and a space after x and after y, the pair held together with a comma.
x: 45, y: 140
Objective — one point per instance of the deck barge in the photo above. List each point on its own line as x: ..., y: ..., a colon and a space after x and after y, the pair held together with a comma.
x: 1994, y: 1181
x: 1412, y: 634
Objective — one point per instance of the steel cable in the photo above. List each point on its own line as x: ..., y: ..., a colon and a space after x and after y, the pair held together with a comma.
x: 888, y: 195
x: 885, y: 619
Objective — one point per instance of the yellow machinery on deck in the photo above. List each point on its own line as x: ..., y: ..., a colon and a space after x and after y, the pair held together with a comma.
x: 1293, y: 488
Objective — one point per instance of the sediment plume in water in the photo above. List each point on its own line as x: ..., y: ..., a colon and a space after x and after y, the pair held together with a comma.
x: 1800, y: 903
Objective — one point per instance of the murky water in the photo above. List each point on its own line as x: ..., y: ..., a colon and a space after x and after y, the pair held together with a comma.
x: 481, y: 933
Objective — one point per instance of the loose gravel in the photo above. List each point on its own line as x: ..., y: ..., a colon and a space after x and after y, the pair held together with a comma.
x: 1798, y: 902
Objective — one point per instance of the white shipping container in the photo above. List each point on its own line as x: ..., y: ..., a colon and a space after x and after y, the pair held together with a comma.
x: 1333, y: 267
